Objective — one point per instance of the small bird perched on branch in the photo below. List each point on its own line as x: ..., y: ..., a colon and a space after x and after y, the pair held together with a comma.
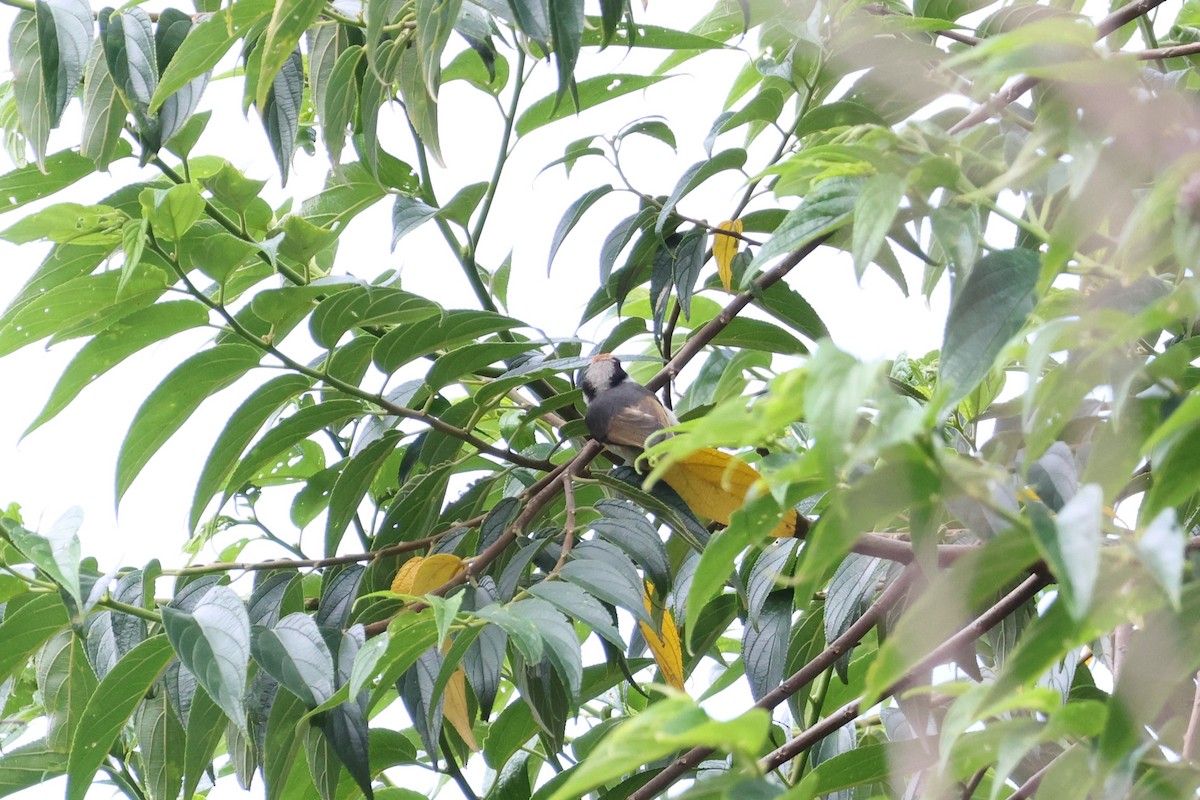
x: 622, y: 414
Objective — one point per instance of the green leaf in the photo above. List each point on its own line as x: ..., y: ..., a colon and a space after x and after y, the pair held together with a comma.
x: 612, y: 584
x: 765, y: 644
x: 409, y: 213
x: 28, y: 626
x: 592, y: 92
x: 207, y: 43
x: 28, y: 765
x: 233, y: 188
x: 57, y: 553
x: 419, y: 104
x: 697, y: 174
x: 352, y: 486
x: 533, y: 19
x: 524, y: 631
x: 988, y: 309
x: 161, y: 737
x: 571, y: 218
x: 68, y: 222
x: 460, y: 207
x: 874, y: 210
x: 281, y: 111
x: 340, y: 101
x: 790, y: 307
x: 559, y: 642
x: 29, y: 183
x: 716, y: 564
x: 65, y: 37
x: 469, y: 358
x: 213, y: 642
x: 129, y: 50
x: 109, y: 709
x: 33, y: 104
x: 755, y: 334
x: 838, y: 114
x: 294, y: 652
x: 671, y: 724
x: 173, y: 401
x: 409, y: 342
x: 172, y: 212
x: 287, y: 433
x: 826, y: 208
x: 566, y: 33
x: 1070, y: 543
x: 435, y: 23
x: 627, y: 527
x: 575, y: 602
x: 205, y: 725
x: 364, y: 306
x: 863, y: 765
x: 78, y: 302
x: 289, y: 20
x: 243, y: 424
x: 1162, y: 550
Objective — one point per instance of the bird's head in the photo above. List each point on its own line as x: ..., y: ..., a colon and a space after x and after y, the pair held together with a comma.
x: 604, y: 372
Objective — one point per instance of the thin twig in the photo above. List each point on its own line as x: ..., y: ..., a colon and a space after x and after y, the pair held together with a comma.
x: 977, y: 628
x: 318, y: 563
x: 1008, y: 94
x: 1026, y: 789
x: 970, y: 786
x: 569, y: 528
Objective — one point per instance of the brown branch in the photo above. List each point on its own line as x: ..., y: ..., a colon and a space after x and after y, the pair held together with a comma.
x: 1193, y: 727
x: 569, y: 527
x: 793, y: 684
x: 1008, y: 94
x: 977, y: 628
x: 1175, y: 51
x: 1026, y: 789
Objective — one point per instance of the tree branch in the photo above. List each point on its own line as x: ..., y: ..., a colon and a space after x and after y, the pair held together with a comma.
x: 981, y: 625
x: 1008, y: 94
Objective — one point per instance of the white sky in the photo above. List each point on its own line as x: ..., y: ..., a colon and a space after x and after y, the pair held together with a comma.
x: 71, y: 460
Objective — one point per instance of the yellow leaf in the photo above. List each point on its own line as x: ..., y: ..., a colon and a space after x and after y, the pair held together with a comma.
x: 402, y: 583
x: 420, y: 575
x: 715, y: 484
x: 667, y: 650
x: 454, y: 707
x: 724, y: 249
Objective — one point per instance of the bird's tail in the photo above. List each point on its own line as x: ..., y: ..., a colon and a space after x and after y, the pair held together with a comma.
x: 715, y: 484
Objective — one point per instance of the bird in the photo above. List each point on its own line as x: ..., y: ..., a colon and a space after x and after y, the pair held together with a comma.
x: 622, y: 415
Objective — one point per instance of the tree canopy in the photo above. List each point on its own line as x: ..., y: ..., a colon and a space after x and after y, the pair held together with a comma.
x: 991, y: 590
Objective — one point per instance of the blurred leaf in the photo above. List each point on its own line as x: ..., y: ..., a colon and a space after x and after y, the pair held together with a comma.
x: 1161, y: 548
x: 874, y: 210
x: 673, y: 723
x: 986, y: 312
x: 754, y: 334
x: 1070, y: 543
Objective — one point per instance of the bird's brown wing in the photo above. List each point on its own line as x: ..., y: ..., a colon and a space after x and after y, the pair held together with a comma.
x: 626, y: 415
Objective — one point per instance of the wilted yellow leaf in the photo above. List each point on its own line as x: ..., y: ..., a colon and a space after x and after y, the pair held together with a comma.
x: 454, y: 707
x: 667, y: 650
x: 725, y: 248
x: 423, y: 574
x: 715, y: 484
